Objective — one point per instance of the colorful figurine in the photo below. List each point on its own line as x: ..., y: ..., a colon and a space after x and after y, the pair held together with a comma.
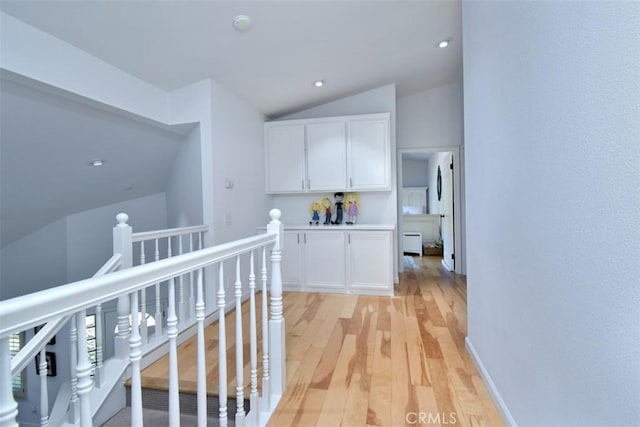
x: 326, y: 208
x: 314, y: 210
x: 353, y: 204
x: 339, y: 198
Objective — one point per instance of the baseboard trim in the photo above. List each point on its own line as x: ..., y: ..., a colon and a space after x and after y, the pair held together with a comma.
x: 493, y: 391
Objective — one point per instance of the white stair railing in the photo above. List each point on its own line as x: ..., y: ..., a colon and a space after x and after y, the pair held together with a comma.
x: 72, y: 301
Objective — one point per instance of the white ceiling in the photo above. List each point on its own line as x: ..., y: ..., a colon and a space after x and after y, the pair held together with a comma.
x: 354, y: 45
x: 47, y: 139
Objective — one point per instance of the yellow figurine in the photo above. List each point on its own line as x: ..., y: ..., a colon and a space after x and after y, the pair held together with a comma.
x: 314, y: 210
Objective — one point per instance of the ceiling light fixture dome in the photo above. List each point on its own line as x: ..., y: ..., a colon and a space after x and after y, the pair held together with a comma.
x: 443, y: 43
x: 242, y: 23
x: 318, y: 83
x: 97, y: 162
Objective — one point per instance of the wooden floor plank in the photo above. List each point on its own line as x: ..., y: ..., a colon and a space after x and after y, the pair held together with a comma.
x: 363, y: 360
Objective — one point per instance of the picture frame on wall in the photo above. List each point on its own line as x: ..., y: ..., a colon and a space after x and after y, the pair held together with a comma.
x: 52, y: 341
x: 51, y: 364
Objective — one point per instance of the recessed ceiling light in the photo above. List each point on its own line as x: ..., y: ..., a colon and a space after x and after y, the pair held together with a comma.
x: 318, y: 83
x: 443, y: 44
x: 97, y: 162
x: 242, y: 23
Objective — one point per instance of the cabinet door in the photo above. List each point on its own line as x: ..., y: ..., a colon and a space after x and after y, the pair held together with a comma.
x: 369, y: 155
x: 292, y: 261
x: 284, y: 153
x: 370, y: 259
x: 326, y: 156
x: 324, y: 260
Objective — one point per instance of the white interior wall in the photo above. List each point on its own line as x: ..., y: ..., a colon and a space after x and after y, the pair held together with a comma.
x: 184, y: 187
x: 432, y: 118
x: 552, y: 120
x: 238, y: 157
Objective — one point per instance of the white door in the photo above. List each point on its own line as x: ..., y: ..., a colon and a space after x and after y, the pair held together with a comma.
x: 284, y: 151
x: 368, y: 155
x: 324, y: 260
x: 446, y: 209
x: 326, y: 156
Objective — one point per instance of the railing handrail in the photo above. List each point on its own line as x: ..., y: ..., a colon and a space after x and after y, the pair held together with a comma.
x: 110, y: 266
x: 27, y: 311
x: 169, y: 232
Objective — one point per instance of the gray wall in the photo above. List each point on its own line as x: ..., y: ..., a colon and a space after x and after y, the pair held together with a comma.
x: 415, y: 173
x: 432, y: 118
x: 35, y: 262
x: 552, y: 120
x: 184, y: 187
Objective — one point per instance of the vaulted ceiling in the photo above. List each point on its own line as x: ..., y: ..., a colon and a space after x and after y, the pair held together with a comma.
x: 48, y: 139
x: 353, y: 45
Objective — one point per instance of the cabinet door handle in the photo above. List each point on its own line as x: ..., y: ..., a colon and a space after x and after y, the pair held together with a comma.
x: 298, y: 238
x: 303, y: 184
x: 305, y: 238
x: 309, y: 184
x: 349, y: 238
x: 350, y: 182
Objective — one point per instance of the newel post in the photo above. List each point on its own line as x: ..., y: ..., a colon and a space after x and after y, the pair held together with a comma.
x: 277, y: 352
x: 123, y: 245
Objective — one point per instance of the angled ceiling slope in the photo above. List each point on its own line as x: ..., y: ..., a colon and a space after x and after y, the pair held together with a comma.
x: 48, y: 140
x: 353, y: 45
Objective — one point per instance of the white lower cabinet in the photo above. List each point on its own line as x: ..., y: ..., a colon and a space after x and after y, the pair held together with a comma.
x: 338, y: 261
x: 292, y: 259
x: 324, y: 260
x: 369, y: 255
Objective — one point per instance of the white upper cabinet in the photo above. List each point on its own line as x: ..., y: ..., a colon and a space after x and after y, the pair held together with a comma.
x: 326, y: 156
x: 369, y: 154
x: 348, y: 153
x: 285, y: 159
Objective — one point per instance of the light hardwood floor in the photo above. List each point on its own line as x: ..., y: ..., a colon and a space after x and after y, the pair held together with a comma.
x: 370, y: 361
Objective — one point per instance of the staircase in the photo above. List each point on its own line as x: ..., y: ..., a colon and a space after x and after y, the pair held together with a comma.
x: 155, y: 412
x: 159, y: 304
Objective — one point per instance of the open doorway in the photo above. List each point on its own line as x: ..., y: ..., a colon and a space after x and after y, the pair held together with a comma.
x: 430, y: 214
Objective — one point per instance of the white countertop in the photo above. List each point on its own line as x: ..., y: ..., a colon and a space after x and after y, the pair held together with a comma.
x: 342, y: 227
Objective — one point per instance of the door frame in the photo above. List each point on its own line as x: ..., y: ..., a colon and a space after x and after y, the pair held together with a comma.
x: 459, y: 229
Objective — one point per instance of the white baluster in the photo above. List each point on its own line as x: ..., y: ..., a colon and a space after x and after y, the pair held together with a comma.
x: 83, y: 371
x: 122, y: 244
x: 135, y: 354
x: 43, y: 370
x: 239, y: 349
x: 276, y: 324
x: 253, y: 342
x: 8, y: 406
x: 74, y: 406
x: 182, y: 307
x: 192, y: 294
x: 158, y: 330
x: 143, y: 301
x: 172, y: 333
x: 222, y: 349
x: 99, y: 374
x: 266, y: 406
x: 202, y: 368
